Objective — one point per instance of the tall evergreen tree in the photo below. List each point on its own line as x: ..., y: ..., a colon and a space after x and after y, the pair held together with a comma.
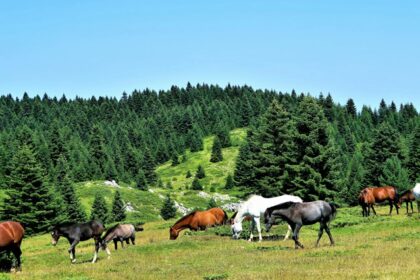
x: 118, y: 211
x: 224, y: 137
x: 149, y: 167
x: 99, y: 209
x: 414, y: 156
x: 351, y: 108
x: 168, y: 209
x: 72, y: 207
x: 216, y: 151
x: 200, y: 174
x: 196, y: 185
x: 393, y: 174
x: 97, y: 150
x: 353, y: 182
x: 29, y: 201
x: 141, y: 182
x: 229, y: 182
x: 175, y: 159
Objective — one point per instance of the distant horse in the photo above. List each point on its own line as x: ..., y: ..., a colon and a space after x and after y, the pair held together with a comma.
x: 79, y: 232
x: 255, y: 206
x: 11, y: 234
x: 199, y: 220
x: 370, y: 196
x: 366, y: 201
x: 119, y: 232
x: 408, y: 197
x: 299, y: 214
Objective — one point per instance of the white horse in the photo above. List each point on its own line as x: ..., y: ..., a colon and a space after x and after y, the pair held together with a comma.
x: 416, y: 191
x: 255, y: 206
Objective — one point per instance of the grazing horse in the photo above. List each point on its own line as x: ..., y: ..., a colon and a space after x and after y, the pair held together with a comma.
x: 366, y: 201
x: 79, y: 232
x: 198, y: 220
x: 370, y: 196
x: 299, y: 214
x: 119, y: 232
x: 255, y: 206
x: 407, y: 197
x: 11, y: 234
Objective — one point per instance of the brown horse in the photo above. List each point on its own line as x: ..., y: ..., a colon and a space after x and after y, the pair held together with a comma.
x: 408, y: 196
x: 369, y: 196
x: 199, y: 220
x: 11, y: 234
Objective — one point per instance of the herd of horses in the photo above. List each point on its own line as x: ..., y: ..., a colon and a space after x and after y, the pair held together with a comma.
x: 288, y: 208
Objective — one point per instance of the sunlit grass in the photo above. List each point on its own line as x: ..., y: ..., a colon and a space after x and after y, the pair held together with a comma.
x: 380, y: 247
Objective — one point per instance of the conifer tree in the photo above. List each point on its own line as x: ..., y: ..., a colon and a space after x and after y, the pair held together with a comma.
x: 29, y: 200
x: 99, y: 209
x: 118, y: 211
x: 141, y: 182
x: 216, y: 151
x: 393, y: 174
x: 196, y: 185
x: 229, y: 182
x: 168, y: 210
x: 189, y: 175
x: 175, y: 159
x: 97, y: 150
x: 212, y: 203
x: 200, y: 174
x: 353, y: 182
x: 384, y: 145
x: 149, y: 167
x: 351, y: 108
x: 224, y: 137
x: 414, y: 156
x: 72, y: 207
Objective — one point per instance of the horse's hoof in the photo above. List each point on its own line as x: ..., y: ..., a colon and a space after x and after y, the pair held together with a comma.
x: 73, y: 260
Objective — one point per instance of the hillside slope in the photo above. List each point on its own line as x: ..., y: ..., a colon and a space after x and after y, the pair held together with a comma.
x: 146, y: 204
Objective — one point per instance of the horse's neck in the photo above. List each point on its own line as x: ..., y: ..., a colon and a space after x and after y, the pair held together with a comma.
x: 185, y: 223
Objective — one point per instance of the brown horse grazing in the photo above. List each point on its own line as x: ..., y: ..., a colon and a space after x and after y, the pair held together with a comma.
x: 407, y: 196
x: 198, y: 220
x: 119, y: 232
x: 11, y: 234
x: 369, y: 196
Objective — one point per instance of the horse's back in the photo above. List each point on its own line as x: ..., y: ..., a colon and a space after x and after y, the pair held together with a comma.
x: 10, y: 232
x: 219, y: 213
x: 384, y: 193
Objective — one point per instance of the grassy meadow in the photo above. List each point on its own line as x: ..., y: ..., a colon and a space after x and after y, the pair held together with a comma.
x: 380, y: 247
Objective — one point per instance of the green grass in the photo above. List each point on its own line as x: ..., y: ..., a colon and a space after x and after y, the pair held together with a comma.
x: 380, y: 247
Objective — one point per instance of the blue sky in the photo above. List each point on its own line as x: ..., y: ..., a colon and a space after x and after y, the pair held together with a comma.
x: 366, y: 50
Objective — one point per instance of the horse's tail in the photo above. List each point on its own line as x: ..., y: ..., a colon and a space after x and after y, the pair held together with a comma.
x: 225, y: 218
x: 334, y: 207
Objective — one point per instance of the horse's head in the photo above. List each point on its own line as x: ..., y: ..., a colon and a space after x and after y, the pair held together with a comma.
x: 236, y: 230
x: 173, y: 233
x: 55, y: 234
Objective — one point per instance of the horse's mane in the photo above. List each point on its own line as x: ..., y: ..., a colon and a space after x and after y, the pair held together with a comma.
x: 281, y: 206
x: 405, y: 192
x: 186, y: 216
x: 111, y: 229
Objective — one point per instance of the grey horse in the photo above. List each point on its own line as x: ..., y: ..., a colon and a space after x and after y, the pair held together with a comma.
x: 297, y: 214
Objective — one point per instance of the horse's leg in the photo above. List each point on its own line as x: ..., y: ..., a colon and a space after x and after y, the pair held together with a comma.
x: 97, y: 246
x: 296, y: 236
x: 251, y: 236
x: 133, y: 239
x: 373, y: 209
x: 72, y: 250
x: 17, y: 252
x: 320, y: 232
x: 327, y: 229
x: 289, y: 230
x: 115, y: 244
x: 411, y: 204
x: 390, y: 207
x: 259, y: 230
x: 122, y: 242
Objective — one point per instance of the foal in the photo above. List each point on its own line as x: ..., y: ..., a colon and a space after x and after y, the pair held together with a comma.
x: 407, y: 197
x: 306, y: 213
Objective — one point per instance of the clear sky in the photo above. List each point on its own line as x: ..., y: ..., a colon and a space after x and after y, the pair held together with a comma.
x: 366, y: 50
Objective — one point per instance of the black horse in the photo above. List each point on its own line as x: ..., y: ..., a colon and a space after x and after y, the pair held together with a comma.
x: 79, y: 232
x: 297, y: 214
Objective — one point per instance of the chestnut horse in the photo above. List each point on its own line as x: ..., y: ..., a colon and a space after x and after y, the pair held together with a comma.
x: 369, y: 196
x: 407, y: 197
x: 199, y: 220
x: 11, y: 234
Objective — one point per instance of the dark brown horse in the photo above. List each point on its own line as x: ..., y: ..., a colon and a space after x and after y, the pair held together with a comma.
x: 199, y: 220
x: 407, y: 197
x: 369, y: 196
x: 11, y: 234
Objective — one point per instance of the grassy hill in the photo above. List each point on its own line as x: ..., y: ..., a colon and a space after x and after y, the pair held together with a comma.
x: 147, y: 204
x: 381, y: 247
